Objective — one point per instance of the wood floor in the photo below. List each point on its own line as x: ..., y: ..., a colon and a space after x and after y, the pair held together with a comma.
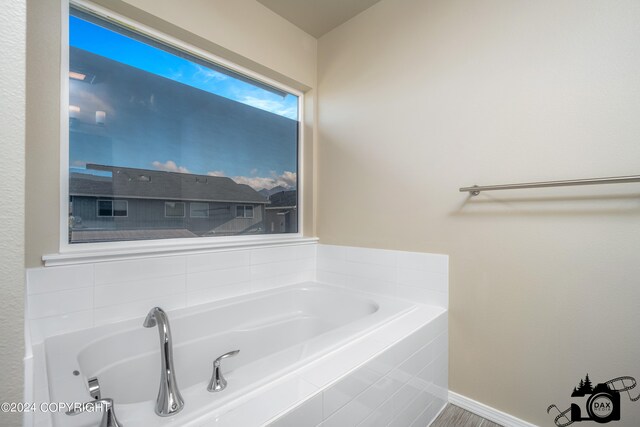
x: 453, y: 416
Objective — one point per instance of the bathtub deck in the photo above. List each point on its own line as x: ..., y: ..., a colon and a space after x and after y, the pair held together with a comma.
x: 454, y: 416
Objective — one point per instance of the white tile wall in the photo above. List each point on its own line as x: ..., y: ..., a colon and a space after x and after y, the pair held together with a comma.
x: 415, y: 276
x: 68, y: 298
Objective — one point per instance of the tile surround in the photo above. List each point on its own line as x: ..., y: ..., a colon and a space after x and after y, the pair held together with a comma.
x: 404, y: 384
x: 399, y: 381
x: 415, y: 276
x: 67, y: 298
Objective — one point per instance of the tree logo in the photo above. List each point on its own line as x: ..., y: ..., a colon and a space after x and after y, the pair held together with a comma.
x: 602, y: 401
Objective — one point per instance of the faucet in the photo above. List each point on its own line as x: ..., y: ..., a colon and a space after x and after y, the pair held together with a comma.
x: 169, y: 401
x: 218, y: 382
x: 108, y: 412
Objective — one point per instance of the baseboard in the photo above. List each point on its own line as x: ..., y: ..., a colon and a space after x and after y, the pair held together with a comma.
x: 487, y: 412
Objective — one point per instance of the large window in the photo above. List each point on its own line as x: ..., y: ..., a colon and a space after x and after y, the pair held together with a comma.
x: 195, y: 148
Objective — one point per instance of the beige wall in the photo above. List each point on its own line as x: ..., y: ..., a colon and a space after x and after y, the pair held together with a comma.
x: 420, y: 97
x: 12, y: 171
x: 243, y: 31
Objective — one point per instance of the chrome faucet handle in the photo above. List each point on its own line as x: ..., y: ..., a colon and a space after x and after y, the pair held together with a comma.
x: 108, y: 411
x: 94, y: 388
x: 218, y: 382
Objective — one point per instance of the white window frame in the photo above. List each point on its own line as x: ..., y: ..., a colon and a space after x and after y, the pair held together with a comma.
x: 184, y: 209
x: 112, y: 201
x: 206, y: 210
x: 72, y: 253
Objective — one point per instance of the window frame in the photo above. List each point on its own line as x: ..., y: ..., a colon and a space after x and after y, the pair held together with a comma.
x: 125, y: 248
x: 126, y: 204
x: 98, y: 201
x: 244, y: 211
x: 184, y: 209
x: 191, y: 215
x: 113, y: 208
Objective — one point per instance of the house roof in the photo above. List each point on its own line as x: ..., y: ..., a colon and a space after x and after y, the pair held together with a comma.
x: 151, y: 184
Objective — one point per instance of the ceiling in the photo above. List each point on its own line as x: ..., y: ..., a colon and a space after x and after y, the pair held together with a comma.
x: 318, y: 17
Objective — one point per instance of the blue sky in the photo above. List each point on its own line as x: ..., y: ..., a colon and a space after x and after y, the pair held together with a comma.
x: 276, y: 169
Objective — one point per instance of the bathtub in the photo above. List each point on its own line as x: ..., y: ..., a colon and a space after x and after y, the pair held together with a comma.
x: 279, y: 333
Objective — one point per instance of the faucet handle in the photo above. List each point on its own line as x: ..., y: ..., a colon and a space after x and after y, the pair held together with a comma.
x: 108, y: 411
x: 224, y: 356
x: 94, y: 388
x: 218, y: 382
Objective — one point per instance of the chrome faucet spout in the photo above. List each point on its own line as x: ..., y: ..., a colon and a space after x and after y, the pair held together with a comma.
x: 169, y: 401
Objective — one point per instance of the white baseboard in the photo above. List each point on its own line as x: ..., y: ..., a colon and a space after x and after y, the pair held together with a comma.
x: 487, y: 412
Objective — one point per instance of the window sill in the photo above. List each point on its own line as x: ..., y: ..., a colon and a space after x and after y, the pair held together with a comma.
x: 102, y: 255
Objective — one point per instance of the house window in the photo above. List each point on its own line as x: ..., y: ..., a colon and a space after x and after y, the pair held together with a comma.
x: 151, y: 121
x: 199, y: 210
x: 244, y: 211
x: 111, y: 208
x: 174, y: 209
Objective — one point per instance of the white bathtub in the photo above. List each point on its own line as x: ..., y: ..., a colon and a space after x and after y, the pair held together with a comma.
x: 277, y: 332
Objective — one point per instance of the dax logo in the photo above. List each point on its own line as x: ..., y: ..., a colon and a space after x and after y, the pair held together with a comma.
x: 602, y: 401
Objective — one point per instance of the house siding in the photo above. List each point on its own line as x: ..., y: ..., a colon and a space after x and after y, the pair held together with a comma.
x: 281, y: 220
x: 150, y: 214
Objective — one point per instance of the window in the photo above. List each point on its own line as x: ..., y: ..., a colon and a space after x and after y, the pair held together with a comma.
x: 174, y: 209
x: 150, y: 121
x: 244, y: 211
x: 199, y: 210
x: 110, y: 208
x: 120, y: 208
x: 105, y: 208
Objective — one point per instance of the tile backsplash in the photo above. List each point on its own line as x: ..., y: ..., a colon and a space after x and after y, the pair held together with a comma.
x: 416, y: 276
x: 67, y: 298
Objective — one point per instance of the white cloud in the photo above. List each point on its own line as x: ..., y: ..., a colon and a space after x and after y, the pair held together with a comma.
x: 169, y: 166
x: 286, y: 180
x: 176, y: 74
x: 271, y: 106
x: 207, y: 74
x: 79, y: 164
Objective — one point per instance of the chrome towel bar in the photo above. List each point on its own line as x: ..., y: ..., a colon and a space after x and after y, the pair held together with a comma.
x: 476, y: 189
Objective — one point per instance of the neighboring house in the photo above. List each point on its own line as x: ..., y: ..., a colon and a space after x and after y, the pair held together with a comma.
x: 148, y: 204
x: 282, y: 212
